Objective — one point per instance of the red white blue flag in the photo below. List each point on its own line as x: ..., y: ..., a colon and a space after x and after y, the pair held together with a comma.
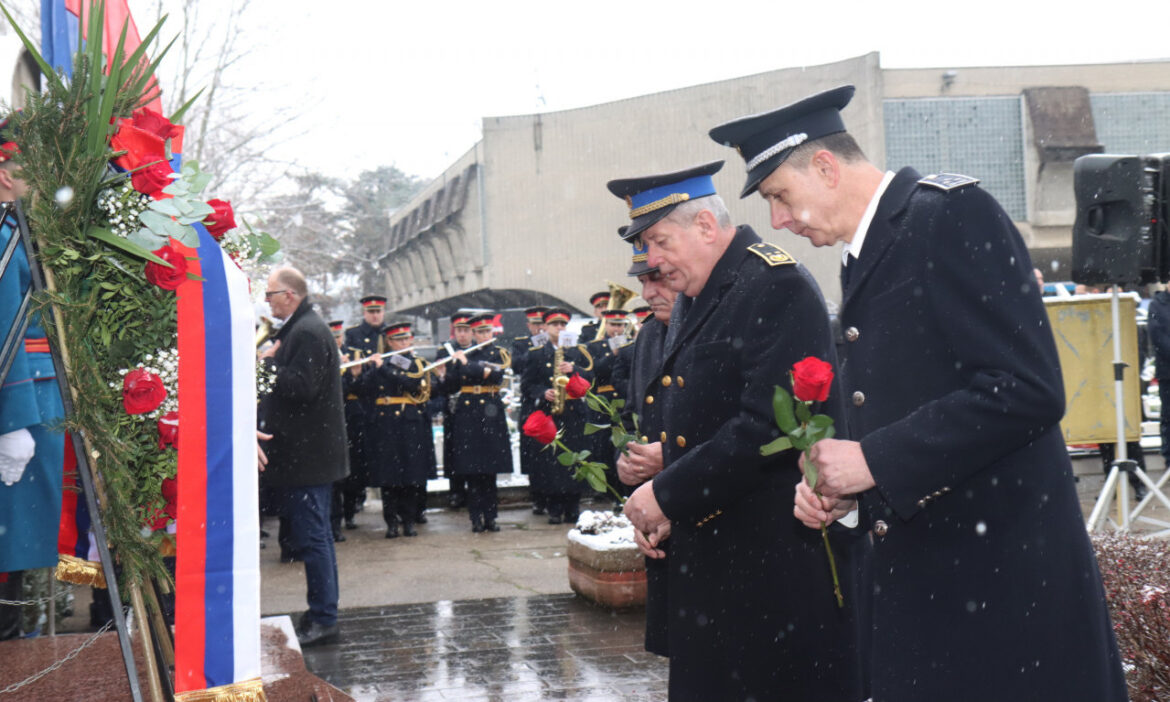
x: 217, y: 574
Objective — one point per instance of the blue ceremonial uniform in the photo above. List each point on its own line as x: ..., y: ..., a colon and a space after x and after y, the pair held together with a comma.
x: 30, y: 510
x: 985, y: 584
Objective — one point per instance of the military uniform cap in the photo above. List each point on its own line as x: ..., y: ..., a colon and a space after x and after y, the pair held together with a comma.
x: 612, y: 315
x: 373, y: 302
x: 557, y: 314
x: 766, y: 140
x: 483, y: 319
x: 460, y: 319
x: 398, y: 330
x: 652, y: 197
x: 642, y: 312
x: 535, y: 314
x: 336, y: 326
x: 598, y: 298
x: 640, y: 261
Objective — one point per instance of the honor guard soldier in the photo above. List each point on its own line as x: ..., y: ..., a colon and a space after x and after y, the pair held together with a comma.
x: 529, y: 447
x: 641, y: 363
x: 359, y: 342
x: 984, y: 579
x: 751, y: 601
x: 481, y: 446
x: 400, y: 444
x: 599, y: 301
x: 545, y: 365
x: 449, y: 386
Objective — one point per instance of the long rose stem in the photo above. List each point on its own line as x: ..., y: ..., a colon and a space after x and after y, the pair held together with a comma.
x: 828, y: 546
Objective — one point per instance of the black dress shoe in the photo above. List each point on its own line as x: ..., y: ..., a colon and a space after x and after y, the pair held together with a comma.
x: 409, y: 530
x: 421, y: 519
x: 315, y: 634
x: 555, y: 520
x: 338, y: 537
x: 476, y: 528
x: 392, y: 533
x: 571, y: 518
x: 537, y: 510
x: 350, y: 524
x: 490, y: 525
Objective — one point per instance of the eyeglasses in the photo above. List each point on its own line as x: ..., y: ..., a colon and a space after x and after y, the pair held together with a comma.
x: 269, y: 293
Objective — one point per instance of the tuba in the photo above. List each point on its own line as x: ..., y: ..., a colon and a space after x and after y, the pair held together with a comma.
x: 264, y: 332
x: 619, y: 295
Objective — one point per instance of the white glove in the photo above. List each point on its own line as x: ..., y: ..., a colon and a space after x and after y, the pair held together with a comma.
x: 16, y: 450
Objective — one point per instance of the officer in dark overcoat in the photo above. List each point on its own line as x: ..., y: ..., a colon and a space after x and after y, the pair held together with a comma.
x: 752, y: 611
x: 480, y: 443
x: 529, y: 447
x: 644, y: 373
x: 985, y: 586
x: 563, y: 492
x: 400, y: 444
x: 360, y: 341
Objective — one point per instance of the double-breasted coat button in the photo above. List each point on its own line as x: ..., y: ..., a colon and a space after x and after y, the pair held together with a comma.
x: 851, y: 334
x: 645, y: 440
x: 858, y: 398
x: 649, y: 399
x: 666, y: 381
x: 663, y: 437
x: 880, y: 528
x: 680, y: 381
x: 681, y: 441
x: 922, y: 503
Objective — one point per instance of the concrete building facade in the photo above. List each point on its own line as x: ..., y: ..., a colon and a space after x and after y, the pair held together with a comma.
x: 524, y: 217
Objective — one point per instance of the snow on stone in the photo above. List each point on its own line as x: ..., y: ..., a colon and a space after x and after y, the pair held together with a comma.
x: 603, y: 531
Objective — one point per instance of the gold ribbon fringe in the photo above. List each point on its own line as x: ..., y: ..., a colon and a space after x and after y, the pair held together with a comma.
x: 71, y: 569
x: 243, y: 691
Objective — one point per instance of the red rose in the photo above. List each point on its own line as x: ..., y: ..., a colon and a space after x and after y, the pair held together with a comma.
x: 152, y: 179
x: 150, y: 121
x: 170, y: 493
x: 577, y: 387
x: 167, y: 278
x: 142, y: 392
x: 541, y: 427
x: 221, y: 220
x: 168, y: 433
x: 811, y: 379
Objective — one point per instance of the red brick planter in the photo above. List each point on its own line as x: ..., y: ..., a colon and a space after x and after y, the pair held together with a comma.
x: 611, y: 577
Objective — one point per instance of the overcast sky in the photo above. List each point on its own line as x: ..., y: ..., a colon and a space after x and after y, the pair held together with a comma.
x: 392, y: 82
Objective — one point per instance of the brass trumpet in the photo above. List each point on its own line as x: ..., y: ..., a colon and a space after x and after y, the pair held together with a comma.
x: 264, y: 332
x: 619, y: 295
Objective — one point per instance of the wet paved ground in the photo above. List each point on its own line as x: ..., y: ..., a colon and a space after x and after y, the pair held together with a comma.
x: 542, y: 647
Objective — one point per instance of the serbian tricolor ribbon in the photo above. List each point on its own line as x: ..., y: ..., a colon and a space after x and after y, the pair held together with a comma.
x: 217, y: 572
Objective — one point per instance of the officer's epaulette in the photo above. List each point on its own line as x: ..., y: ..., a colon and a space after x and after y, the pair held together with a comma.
x: 948, y: 181
x: 773, y: 255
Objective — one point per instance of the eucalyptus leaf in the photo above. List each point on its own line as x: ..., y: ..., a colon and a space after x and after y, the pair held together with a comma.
x: 782, y: 410
x: 188, y: 237
x: 782, y: 443
x: 105, y: 235
x: 147, y: 239
x: 161, y: 224
x: 201, y: 209
x: 169, y: 206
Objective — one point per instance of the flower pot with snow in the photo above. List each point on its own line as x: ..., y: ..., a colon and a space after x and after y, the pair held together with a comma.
x: 604, y: 564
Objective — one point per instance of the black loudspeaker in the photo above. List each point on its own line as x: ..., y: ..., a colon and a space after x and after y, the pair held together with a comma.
x: 1120, y: 233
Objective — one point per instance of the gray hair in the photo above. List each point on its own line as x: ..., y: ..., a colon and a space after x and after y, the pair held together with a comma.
x: 294, y: 280
x: 685, y: 213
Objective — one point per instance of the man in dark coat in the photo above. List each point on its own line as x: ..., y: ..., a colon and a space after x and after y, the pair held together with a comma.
x: 752, y: 611
x: 985, y: 586
x: 641, y: 463
x: 529, y: 447
x: 360, y: 341
x: 305, y: 416
x: 400, y: 444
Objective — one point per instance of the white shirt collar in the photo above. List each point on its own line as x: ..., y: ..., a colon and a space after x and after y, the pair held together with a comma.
x: 853, y: 248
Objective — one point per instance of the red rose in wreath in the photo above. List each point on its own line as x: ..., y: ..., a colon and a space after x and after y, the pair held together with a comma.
x: 168, y: 431
x: 167, y: 278
x: 222, y: 220
x: 152, y: 179
x: 142, y: 392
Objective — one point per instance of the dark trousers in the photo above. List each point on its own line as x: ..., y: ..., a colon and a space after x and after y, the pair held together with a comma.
x: 306, y: 513
x: 457, y: 490
x: 347, y: 500
x: 564, y: 505
x: 10, y: 589
x: 400, y: 503
x: 482, y: 498
x: 1164, y: 395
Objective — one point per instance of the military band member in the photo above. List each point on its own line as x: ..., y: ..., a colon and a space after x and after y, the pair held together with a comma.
x: 360, y: 341
x: 480, y: 442
x: 563, y: 492
x: 752, y: 611
x: 985, y: 583
x: 598, y: 301
x: 460, y: 339
x: 640, y: 315
x: 400, y: 444
x: 337, y: 508
x: 529, y: 447
x: 641, y: 464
